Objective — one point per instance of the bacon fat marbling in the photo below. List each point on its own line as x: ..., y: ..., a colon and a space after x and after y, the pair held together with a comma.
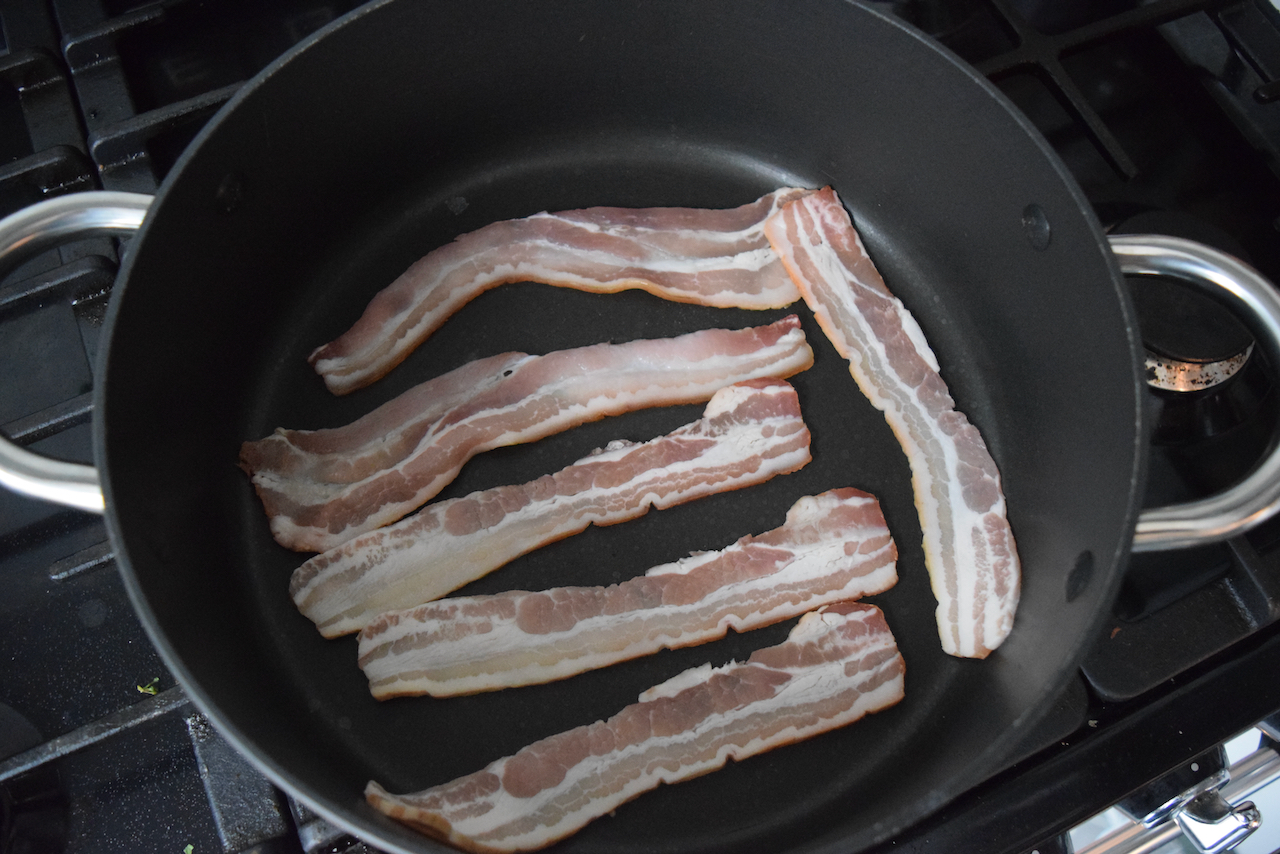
x: 749, y: 433
x: 709, y: 257
x: 833, y: 547
x: 321, y: 488
x: 969, y: 548
x: 837, y: 665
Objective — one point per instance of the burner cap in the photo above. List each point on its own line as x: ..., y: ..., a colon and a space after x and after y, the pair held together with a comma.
x: 1193, y: 343
x: 1180, y: 375
x: 1198, y: 363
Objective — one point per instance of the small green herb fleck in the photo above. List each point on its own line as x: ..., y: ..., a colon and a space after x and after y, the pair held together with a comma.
x: 188, y: 849
x: 150, y: 688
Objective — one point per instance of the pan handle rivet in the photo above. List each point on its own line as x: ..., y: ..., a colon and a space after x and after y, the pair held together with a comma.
x: 1036, y: 226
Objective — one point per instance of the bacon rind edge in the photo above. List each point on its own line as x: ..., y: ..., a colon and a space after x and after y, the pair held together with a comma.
x: 318, y: 500
x: 837, y: 665
x: 749, y: 433
x: 717, y: 258
x: 969, y: 547
x: 833, y: 547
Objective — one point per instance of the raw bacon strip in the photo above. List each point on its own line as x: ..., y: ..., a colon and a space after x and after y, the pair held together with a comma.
x: 321, y: 488
x: 709, y: 257
x: 748, y: 433
x: 833, y: 547
x: 968, y: 546
x: 837, y: 665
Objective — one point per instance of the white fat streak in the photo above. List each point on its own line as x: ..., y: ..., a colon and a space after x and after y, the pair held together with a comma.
x: 505, y: 656
x: 684, y: 565
x: 820, y: 621
x: 370, y: 359
x: 729, y: 399
x: 405, y: 575
x: 747, y: 260
x: 908, y: 320
x: 806, y: 687
x: 624, y: 381
x: 430, y: 400
x: 498, y: 653
x: 808, y: 509
x: 751, y: 259
x: 936, y: 500
x: 685, y: 679
x: 782, y: 292
x: 404, y: 571
x: 948, y: 524
x: 607, y: 279
x: 755, y: 231
x: 810, y: 687
x: 621, y: 383
x: 810, y: 626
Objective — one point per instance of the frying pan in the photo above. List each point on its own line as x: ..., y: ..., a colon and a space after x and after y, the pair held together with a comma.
x: 405, y: 124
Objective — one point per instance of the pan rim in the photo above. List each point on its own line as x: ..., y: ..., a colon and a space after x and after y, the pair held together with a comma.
x: 984, y: 764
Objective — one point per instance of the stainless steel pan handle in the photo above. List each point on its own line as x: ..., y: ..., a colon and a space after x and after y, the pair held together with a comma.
x: 1251, y: 501
x: 28, y: 231
x: 1257, y: 303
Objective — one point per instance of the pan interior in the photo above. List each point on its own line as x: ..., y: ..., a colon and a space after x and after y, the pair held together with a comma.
x: 336, y: 187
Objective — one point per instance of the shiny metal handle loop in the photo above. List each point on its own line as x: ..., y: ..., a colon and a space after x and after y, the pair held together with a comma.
x: 1257, y: 303
x: 26, y: 232
x: 1248, y: 503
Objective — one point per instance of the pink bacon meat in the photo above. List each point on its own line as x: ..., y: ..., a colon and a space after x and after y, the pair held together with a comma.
x: 321, y: 488
x: 837, y: 665
x: 833, y: 547
x: 968, y: 545
x: 749, y: 433
x: 710, y: 257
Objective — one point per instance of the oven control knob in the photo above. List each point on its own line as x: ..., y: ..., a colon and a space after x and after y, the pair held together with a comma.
x: 1213, y: 825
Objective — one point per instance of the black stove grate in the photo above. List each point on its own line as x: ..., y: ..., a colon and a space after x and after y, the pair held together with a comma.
x: 1045, y: 50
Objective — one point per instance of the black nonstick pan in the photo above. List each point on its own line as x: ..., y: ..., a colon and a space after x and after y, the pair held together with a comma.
x: 408, y: 123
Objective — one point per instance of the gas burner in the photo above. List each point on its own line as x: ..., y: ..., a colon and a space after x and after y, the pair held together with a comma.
x: 1168, y: 374
x: 1199, y: 357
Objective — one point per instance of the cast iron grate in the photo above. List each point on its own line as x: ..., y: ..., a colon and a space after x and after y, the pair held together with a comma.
x: 1043, y: 54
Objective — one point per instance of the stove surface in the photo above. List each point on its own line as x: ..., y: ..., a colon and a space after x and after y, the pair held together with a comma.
x: 1166, y: 112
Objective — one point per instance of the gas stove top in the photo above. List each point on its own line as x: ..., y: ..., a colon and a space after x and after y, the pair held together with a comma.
x: 1166, y: 114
